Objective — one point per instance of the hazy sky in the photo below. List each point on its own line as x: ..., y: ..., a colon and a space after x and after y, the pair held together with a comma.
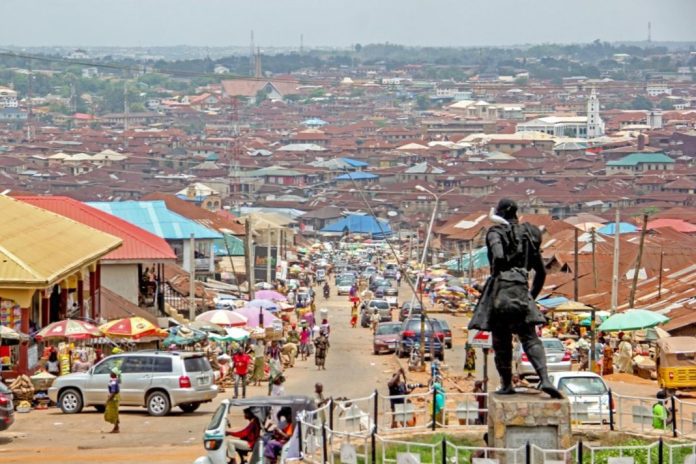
x: 340, y: 22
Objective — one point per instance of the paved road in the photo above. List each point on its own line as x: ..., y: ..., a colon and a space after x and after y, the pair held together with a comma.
x: 50, y: 436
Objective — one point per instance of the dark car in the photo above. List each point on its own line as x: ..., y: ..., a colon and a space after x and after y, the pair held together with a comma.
x: 379, y: 282
x: 443, y: 326
x: 410, y: 334
x: 386, y: 337
x: 6, y: 407
x: 390, y: 271
x: 406, y: 307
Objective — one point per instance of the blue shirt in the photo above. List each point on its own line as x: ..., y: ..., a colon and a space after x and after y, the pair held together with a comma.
x: 113, y: 386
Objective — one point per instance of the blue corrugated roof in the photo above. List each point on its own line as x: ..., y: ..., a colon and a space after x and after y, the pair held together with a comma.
x: 355, y: 163
x: 624, y: 228
x: 358, y: 175
x: 357, y: 224
x: 154, y: 217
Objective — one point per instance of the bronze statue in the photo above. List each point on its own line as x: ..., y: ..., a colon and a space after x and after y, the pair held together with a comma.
x: 507, y: 305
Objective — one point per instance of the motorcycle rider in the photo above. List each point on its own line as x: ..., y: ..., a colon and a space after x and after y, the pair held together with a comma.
x: 327, y: 290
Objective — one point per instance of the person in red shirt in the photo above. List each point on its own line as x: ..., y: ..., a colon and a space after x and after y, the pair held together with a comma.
x: 241, y: 362
x: 246, y: 438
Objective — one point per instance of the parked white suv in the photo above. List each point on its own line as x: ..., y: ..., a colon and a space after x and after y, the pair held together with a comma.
x: 155, y: 380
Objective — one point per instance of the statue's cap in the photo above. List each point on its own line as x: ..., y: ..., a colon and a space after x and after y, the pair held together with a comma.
x: 506, y: 208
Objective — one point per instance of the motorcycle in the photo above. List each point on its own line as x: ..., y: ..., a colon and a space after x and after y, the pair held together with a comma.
x: 327, y: 292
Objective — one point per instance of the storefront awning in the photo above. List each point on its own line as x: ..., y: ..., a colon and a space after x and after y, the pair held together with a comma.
x: 39, y: 248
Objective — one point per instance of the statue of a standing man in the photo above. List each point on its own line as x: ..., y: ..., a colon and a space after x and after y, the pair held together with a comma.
x: 507, y: 306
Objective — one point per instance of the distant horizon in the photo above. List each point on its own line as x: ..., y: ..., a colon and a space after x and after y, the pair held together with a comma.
x: 340, y: 24
x: 638, y: 43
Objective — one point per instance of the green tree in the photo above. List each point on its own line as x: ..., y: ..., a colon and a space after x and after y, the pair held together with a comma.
x: 640, y: 103
x: 423, y: 102
x: 261, y: 95
x: 665, y: 104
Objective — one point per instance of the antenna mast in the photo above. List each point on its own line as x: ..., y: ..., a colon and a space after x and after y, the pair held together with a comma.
x: 252, y: 55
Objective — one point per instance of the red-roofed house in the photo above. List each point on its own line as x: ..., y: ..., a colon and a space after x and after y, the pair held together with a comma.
x: 121, y: 270
x: 679, y: 225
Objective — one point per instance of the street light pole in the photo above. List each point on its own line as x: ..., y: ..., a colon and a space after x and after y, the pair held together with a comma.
x: 420, y: 276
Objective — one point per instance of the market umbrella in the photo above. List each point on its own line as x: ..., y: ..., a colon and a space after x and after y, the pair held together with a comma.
x: 264, y: 304
x: 232, y: 334
x: 206, y: 326
x: 11, y: 337
x: 587, y: 322
x: 130, y: 327
x: 456, y: 288
x: 223, y: 317
x: 571, y: 305
x: 184, y: 336
x: 69, y: 328
x: 270, y: 295
x: 254, y: 316
x: 632, y: 319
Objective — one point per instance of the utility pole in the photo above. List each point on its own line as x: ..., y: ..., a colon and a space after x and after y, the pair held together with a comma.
x: 593, y: 237
x: 249, y: 257
x: 268, y: 254
x: 30, y: 107
x: 636, y: 271
x: 659, y: 280
x: 576, y: 270
x: 615, y: 267
x: 277, y: 253
x: 192, y: 278
x: 125, y: 108
x: 471, y: 261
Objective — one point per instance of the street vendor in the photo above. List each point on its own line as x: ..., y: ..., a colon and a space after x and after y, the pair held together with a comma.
x: 625, y: 361
x: 293, y: 336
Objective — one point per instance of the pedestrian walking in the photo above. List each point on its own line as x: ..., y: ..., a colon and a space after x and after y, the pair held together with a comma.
x: 241, y: 362
x: 374, y: 321
x: 354, y: 315
x: 305, y: 336
x: 321, y: 346
x: 275, y: 364
x: 259, y: 362
x: 113, y: 402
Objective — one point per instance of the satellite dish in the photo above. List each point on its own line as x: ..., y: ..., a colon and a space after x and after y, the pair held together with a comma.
x: 392, y: 214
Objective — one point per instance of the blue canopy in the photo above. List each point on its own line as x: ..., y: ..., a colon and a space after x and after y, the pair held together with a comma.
x: 228, y: 246
x: 479, y: 258
x: 357, y: 224
x: 624, y: 228
x: 552, y: 302
x: 358, y: 175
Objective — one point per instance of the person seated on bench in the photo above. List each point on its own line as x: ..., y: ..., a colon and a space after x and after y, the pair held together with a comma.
x: 281, y: 435
x: 245, y: 439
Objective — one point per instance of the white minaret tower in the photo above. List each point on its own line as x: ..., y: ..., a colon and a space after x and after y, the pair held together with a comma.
x: 595, y: 125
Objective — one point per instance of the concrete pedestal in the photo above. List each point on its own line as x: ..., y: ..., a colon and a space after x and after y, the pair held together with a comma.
x: 514, y: 420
